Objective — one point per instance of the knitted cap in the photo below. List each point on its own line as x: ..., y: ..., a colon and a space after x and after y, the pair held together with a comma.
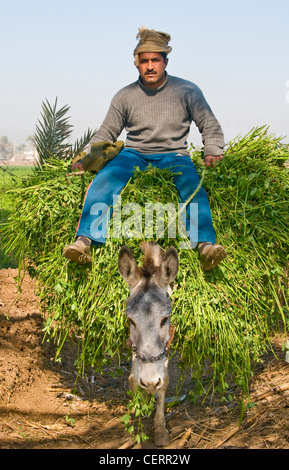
x: 151, y: 41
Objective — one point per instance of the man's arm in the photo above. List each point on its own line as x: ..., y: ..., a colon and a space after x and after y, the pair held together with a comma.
x: 110, y: 129
x: 209, y: 127
x: 113, y: 124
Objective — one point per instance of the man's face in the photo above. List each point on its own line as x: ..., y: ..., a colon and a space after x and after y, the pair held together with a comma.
x: 152, y: 68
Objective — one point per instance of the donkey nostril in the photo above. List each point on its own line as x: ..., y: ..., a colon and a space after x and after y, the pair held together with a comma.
x: 142, y: 384
x: 152, y: 385
x: 158, y: 383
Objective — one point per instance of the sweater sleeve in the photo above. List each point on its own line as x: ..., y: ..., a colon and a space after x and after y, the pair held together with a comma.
x: 113, y: 124
x: 208, y: 125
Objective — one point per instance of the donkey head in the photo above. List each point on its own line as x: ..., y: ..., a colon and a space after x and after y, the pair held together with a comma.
x: 148, y: 310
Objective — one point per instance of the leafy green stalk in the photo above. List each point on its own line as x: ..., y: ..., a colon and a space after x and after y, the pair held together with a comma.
x: 140, y: 405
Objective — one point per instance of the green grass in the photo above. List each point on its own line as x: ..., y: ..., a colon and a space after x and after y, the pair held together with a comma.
x: 11, y: 177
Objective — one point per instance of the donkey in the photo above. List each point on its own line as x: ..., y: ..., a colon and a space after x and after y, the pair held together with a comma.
x: 148, y: 310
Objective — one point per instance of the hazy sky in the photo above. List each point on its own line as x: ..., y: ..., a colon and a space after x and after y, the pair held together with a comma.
x: 81, y: 52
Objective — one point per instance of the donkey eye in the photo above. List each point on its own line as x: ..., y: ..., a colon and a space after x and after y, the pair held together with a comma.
x: 164, y: 321
x: 131, y: 322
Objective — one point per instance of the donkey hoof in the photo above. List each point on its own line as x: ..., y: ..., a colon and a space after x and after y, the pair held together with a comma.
x: 161, y: 438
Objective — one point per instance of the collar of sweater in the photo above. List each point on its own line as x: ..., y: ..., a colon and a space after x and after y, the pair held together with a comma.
x: 152, y: 90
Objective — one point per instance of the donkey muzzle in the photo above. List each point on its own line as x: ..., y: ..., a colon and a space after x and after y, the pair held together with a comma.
x: 151, y: 385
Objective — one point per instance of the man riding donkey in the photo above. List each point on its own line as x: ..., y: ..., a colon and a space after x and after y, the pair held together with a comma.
x: 156, y: 111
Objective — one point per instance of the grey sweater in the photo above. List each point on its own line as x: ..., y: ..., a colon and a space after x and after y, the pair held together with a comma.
x: 158, y: 120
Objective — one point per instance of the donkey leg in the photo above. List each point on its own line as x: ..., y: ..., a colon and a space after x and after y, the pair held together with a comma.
x: 133, y: 377
x: 161, y: 434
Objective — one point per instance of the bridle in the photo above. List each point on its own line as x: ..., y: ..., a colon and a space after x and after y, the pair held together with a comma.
x: 141, y: 358
x: 152, y: 359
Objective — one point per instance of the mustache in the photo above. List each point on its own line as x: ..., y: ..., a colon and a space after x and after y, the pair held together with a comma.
x: 150, y: 73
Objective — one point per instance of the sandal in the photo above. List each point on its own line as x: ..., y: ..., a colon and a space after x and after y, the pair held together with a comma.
x: 211, y: 255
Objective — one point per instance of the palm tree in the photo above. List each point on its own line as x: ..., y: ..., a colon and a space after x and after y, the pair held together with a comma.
x: 53, y: 132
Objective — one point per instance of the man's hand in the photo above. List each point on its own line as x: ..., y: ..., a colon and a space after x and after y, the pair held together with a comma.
x: 211, y: 161
x: 76, y: 166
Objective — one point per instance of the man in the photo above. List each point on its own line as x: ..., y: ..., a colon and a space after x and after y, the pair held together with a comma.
x: 156, y: 111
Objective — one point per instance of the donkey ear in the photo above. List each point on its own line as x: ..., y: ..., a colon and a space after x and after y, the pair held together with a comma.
x: 128, y: 268
x: 168, y: 269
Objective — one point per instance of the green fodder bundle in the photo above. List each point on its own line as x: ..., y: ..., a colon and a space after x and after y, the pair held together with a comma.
x: 224, y: 318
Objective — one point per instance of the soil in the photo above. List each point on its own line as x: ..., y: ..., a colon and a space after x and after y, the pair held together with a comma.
x: 42, y: 406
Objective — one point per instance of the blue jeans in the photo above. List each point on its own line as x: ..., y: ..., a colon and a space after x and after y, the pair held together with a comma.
x: 109, y: 182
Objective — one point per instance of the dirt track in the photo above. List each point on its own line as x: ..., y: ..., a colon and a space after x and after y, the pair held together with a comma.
x: 41, y: 408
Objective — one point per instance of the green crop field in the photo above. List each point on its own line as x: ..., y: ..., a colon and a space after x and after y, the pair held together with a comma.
x: 11, y: 177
